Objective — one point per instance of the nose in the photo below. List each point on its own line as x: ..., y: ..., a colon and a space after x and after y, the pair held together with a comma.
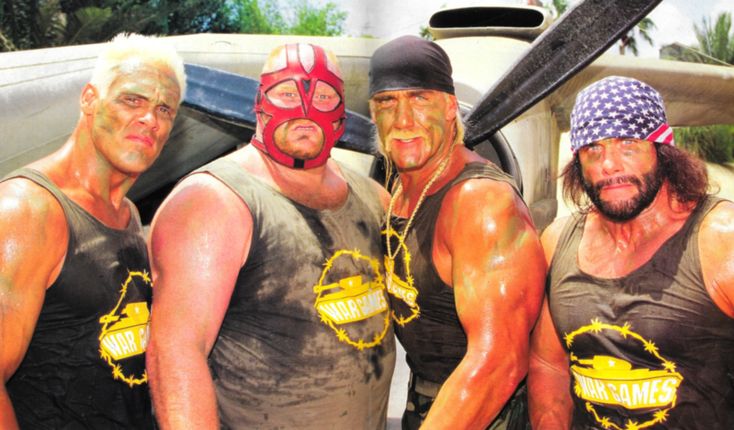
x: 404, y: 114
x: 150, y: 119
x: 612, y: 161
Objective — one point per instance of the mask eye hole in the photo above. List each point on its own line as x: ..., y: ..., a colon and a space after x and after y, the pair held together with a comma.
x: 325, y: 97
x: 285, y: 95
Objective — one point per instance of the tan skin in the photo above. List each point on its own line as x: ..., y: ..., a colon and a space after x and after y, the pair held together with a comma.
x: 189, y: 249
x: 117, y: 137
x: 497, y: 281
x: 632, y: 244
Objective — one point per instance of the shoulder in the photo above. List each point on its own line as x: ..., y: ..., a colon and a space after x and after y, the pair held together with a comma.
x: 484, y: 208
x: 201, y: 215
x: 485, y: 196
x: 31, y: 204
x: 200, y: 193
x: 716, y: 251
x: 550, y: 236
x: 33, y: 228
x: 353, y: 177
x: 716, y: 227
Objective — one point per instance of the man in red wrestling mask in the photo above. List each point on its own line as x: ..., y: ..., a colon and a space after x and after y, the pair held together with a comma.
x: 270, y: 307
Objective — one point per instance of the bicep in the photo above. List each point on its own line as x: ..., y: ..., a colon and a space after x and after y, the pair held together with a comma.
x: 199, y: 239
x: 498, y: 272
x: 546, y: 351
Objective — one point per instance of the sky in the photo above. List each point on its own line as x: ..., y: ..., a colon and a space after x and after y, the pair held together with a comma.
x: 390, y: 18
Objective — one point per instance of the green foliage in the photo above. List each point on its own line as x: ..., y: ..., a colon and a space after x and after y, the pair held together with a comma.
x: 714, y: 143
x: 315, y: 21
x: 264, y: 17
x: 641, y: 30
x: 716, y: 40
x: 425, y: 33
x: 557, y: 7
x: 45, y: 23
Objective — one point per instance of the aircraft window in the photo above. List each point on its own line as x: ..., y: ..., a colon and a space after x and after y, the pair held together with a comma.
x: 325, y: 97
x: 285, y: 95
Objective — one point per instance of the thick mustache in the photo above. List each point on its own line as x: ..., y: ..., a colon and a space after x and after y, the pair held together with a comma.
x: 616, y: 181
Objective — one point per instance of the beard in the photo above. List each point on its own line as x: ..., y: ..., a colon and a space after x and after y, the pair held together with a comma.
x: 620, y: 211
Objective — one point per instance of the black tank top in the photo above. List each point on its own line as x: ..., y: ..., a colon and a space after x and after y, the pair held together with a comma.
x: 650, y: 349
x: 306, y: 341
x: 423, y: 305
x: 85, y: 365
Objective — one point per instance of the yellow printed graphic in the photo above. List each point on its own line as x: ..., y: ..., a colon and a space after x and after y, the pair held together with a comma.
x: 613, y: 382
x: 402, y: 289
x: 610, y: 381
x: 355, y: 302
x: 350, y: 300
x: 125, y: 333
x: 128, y: 336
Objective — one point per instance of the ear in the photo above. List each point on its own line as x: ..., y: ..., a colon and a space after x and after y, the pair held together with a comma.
x: 372, y: 111
x: 451, y: 105
x: 88, y: 98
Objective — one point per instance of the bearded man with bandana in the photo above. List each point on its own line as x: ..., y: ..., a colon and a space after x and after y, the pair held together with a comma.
x: 270, y: 303
x: 464, y: 264
x: 637, y: 330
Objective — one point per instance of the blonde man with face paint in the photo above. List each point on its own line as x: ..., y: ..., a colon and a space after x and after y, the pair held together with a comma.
x: 464, y: 265
x: 638, y: 327
x: 270, y: 303
x: 75, y: 283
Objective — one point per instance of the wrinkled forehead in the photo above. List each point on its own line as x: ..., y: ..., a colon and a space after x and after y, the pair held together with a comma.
x: 278, y: 59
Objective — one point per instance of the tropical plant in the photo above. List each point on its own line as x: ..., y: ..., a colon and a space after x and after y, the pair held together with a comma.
x: 716, y: 40
x: 641, y: 30
x: 714, y: 143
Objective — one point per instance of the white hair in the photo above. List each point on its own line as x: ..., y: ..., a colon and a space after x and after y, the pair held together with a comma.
x: 147, y: 48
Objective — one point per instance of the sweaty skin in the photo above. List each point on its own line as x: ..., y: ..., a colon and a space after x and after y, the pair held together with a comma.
x: 118, y: 136
x: 489, y: 253
x: 630, y: 245
x: 193, y: 245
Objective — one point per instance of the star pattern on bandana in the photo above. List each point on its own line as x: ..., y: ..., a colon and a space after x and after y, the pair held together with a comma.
x: 618, y: 107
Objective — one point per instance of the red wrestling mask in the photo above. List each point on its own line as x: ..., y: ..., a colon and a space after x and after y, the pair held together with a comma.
x: 304, y: 88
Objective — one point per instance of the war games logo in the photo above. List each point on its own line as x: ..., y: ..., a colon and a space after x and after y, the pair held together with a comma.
x: 352, y: 299
x: 609, y: 381
x: 125, y: 332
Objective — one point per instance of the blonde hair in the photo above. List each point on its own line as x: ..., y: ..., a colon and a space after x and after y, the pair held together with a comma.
x: 147, y: 48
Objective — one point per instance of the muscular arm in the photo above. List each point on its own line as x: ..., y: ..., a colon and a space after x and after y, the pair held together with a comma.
x: 716, y: 250
x: 548, y: 378
x: 486, y: 240
x: 199, y: 240
x: 33, y: 241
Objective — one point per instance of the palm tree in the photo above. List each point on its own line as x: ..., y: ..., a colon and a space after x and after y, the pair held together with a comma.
x: 629, y: 40
x: 718, y: 40
x: 716, y: 45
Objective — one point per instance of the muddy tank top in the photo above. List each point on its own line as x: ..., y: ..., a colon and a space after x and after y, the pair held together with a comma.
x: 647, y: 350
x: 85, y: 365
x: 306, y: 341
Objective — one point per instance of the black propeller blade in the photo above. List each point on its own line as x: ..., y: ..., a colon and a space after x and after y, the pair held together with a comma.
x: 231, y: 98
x: 581, y: 34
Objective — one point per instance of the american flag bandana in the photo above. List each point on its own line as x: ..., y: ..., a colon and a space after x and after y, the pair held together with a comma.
x: 619, y: 107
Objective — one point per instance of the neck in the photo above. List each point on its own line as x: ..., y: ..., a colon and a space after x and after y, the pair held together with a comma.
x: 287, y: 176
x: 82, y: 167
x: 663, y: 213
x: 429, y: 178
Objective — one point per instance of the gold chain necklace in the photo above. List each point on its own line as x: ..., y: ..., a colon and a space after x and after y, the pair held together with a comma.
x: 421, y: 198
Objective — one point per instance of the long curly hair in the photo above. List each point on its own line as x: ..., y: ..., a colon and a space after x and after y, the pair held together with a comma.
x: 685, y: 174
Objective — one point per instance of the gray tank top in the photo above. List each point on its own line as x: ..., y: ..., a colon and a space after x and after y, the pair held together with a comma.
x: 306, y: 341
x: 650, y: 348
x: 85, y: 364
